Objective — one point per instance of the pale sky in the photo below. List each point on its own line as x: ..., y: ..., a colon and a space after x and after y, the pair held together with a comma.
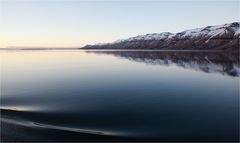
x: 75, y: 23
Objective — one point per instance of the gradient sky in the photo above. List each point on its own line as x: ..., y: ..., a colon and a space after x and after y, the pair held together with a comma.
x: 75, y: 23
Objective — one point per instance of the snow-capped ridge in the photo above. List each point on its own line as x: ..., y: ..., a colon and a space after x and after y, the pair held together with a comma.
x: 208, y: 31
x: 211, y: 31
x: 153, y: 36
x: 217, y: 37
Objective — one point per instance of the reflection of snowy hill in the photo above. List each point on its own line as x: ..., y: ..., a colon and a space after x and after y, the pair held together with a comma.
x: 224, y: 63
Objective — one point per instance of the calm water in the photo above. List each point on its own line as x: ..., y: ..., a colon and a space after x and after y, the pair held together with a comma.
x: 119, y: 96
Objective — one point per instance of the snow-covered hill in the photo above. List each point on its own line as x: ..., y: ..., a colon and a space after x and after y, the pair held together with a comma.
x: 218, y: 36
x: 154, y: 36
x: 229, y: 30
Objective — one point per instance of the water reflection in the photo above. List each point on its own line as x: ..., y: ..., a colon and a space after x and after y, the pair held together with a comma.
x: 209, y: 62
x: 111, y: 96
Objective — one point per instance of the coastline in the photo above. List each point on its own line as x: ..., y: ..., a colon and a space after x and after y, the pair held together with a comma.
x: 83, y: 49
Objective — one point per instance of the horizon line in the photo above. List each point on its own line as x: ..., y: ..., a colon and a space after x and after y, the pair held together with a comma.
x: 74, y: 47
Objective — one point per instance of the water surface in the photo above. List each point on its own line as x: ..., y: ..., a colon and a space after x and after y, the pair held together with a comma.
x: 119, y: 96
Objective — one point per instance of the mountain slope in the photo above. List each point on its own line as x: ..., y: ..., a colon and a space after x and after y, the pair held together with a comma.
x: 218, y: 37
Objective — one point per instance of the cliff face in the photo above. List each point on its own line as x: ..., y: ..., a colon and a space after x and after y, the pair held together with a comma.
x: 218, y: 37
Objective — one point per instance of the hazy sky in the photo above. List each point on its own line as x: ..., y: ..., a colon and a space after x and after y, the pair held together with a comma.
x: 69, y: 23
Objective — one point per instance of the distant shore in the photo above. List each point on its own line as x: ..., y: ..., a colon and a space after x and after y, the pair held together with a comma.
x: 163, y: 50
